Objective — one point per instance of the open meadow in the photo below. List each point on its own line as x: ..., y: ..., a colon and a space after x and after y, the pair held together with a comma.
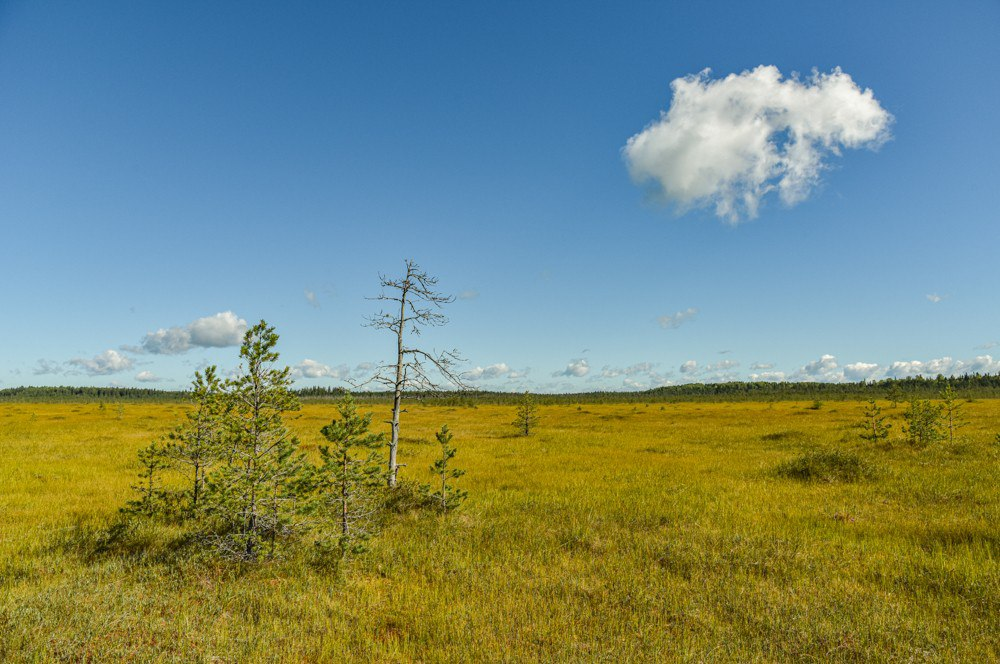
x: 615, y: 532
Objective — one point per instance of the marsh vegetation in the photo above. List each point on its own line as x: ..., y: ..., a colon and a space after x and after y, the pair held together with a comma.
x: 615, y: 532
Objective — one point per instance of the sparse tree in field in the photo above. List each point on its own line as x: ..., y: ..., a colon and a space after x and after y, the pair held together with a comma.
x: 414, y: 305
x: 447, y: 497
x: 923, y: 423
x: 527, y: 414
x: 348, y: 479
x: 874, y: 426
x: 894, y: 394
x: 195, y: 446
x: 256, y: 494
x: 951, y: 411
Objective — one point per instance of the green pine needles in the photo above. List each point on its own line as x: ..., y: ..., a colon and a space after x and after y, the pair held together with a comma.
x: 446, y: 496
x: 527, y: 415
x: 874, y: 428
x: 234, y: 475
x: 348, y: 481
x: 923, y: 423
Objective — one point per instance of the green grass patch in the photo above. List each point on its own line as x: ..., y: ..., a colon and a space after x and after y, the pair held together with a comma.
x: 827, y: 466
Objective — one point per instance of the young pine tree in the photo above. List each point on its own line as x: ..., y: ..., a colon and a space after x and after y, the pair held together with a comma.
x: 527, y: 415
x: 153, y: 499
x: 195, y: 446
x: 348, y: 480
x: 447, y: 496
x: 923, y: 423
x: 255, y: 495
x: 874, y: 427
x: 951, y: 411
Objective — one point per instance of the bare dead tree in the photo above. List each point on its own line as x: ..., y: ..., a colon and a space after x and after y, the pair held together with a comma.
x: 414, y: 305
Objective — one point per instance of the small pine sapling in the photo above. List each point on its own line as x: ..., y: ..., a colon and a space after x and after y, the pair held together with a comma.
x: 951, y: 410
x: 348, y: 480
x: 874, y: 426
x: 152, y: 499
x: 194, y: 446
x: 923, y: 423
x: 447, y: 497
x: 527, y: 414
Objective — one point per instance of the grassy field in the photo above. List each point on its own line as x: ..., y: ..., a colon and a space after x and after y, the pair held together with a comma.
x: 617, y: 533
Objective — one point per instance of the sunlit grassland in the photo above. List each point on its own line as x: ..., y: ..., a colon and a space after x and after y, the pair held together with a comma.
x: 615, y: 533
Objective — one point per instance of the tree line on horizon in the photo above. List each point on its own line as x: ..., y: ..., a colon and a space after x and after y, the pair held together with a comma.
x: 969, y: 385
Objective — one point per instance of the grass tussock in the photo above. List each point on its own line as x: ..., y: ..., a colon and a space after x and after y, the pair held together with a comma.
x: 827, y: 466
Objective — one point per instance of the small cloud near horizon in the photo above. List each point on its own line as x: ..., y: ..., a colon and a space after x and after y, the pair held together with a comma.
x: 577, y: 368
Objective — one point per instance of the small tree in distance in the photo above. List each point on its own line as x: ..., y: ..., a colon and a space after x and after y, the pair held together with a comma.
x: 415, y: 304
x: 951, y: 410
x: 527, y: 414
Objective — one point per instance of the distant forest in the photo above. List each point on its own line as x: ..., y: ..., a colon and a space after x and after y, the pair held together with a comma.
x: 967, y: 386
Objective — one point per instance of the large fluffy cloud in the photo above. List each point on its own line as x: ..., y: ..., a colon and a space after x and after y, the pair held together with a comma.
x: 729, y: 142
x: 218, y: 331
x: 108, y: 362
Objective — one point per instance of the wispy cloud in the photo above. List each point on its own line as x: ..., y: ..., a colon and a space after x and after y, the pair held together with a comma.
x: 44, y: 367
x: 728, y: 142
x: 311, y: 298
x: 468, y: 295
x: 934, y: 297
x: 671, y: 322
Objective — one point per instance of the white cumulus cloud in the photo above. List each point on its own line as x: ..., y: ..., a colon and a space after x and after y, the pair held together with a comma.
x: 575, y: 369
x: 946, y: 366
x: 859, y: 371
x: 487, y: 373
x: 147, y: 377
x: 108, y: 362
x: 729, y: 142
x: 218, y: 331
x: 825, y: 369
x: 312, y: 369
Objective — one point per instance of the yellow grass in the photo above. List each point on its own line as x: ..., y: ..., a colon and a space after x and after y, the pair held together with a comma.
x: 615, y: 533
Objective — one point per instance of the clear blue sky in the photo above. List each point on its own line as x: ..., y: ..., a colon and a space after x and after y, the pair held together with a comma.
x: 162, y: 163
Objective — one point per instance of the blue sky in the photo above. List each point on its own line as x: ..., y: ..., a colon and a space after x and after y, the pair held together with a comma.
x: 187, y: 166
